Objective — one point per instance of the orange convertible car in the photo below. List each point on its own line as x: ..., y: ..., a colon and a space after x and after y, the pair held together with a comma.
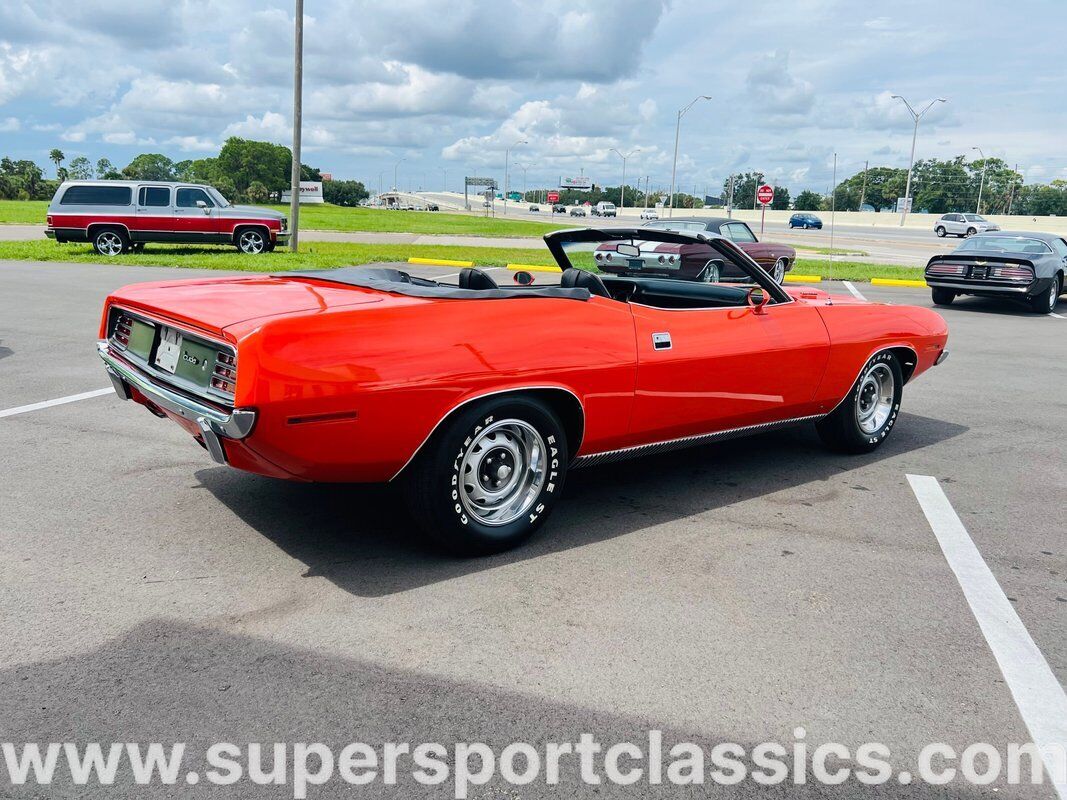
x: 480, y: 398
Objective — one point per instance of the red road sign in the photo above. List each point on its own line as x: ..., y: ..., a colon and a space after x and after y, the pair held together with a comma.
x: 765, y: 194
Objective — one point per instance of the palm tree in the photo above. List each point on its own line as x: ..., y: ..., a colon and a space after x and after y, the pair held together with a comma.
x: 56, y: 157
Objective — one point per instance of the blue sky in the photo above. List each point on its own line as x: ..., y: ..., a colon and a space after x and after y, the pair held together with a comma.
x: 447, y: 87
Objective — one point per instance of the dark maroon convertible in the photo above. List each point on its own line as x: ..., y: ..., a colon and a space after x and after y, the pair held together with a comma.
x: 776, y: 259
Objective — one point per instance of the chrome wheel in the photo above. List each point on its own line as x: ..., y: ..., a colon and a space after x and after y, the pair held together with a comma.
x: 874, y: 402
x: 778, y: 273
x: 502, y: 472
x: 1054, y: 294
x: 109, y: 243
x: 251, y: 242
x: 711, y: 272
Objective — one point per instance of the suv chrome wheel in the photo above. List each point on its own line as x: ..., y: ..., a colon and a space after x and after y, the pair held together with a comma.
x: 251, y: 241
x: 109, y: 243
x: 502, y: 472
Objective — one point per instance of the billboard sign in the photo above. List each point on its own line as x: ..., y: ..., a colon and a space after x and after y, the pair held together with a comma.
x: 310, y: 192
x: 579, y: 182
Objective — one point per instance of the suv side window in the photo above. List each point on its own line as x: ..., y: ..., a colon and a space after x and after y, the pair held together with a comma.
x: 738, y: 232
x: 153, y: 196
x: 188, y: 198
x: 97, y: 196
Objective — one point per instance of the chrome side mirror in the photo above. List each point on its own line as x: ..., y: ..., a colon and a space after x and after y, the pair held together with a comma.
x: 758, y: 299
x: 523, y: 278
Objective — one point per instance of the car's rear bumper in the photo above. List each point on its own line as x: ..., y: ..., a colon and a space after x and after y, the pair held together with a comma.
x: 986, y: 288
x: 213, y: 423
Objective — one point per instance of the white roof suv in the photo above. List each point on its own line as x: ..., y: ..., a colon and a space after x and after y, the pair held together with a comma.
x: 963, y: 225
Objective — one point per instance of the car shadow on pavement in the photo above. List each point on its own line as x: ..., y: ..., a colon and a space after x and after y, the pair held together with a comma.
x: 361, y: 539
x: 167, y: 682
x: 5, y: 351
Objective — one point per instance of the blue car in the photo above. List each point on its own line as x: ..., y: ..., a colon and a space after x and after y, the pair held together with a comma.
x: 805, y: 221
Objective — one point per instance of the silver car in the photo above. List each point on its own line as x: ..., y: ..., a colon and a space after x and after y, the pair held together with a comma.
x: 963, y: 225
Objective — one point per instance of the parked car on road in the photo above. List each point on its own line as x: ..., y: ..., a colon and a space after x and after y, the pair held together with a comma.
x: 1024, y: 266
x: 270, y: 374
x: 559, y: 208
x: 577, y: 211
x: 963, y: 225
x: 119, y: 216
x: 649, y: 213
x: 803, y: 220
x: 777, y: 259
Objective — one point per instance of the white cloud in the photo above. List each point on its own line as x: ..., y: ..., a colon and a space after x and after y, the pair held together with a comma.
x: 10, y: 125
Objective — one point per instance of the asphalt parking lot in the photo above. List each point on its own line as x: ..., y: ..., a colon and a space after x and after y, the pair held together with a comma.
x: 732, y: 592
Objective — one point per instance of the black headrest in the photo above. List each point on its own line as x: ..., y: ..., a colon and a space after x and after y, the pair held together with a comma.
x: 472, y: 278
x: 582, y: 279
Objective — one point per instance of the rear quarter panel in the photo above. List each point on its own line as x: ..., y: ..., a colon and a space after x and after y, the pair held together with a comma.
x: 351, y: 394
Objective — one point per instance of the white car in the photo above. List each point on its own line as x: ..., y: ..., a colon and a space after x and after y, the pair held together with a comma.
x: 649, y: 213
x: 963, y: 225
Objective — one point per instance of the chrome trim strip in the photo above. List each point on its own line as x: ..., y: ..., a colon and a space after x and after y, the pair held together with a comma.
x: 512, y: 390
x: 235, y: 425
x: 610, y: 456
x: 932, y: 280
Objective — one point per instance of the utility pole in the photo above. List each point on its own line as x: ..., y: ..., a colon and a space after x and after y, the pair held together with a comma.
x: 507, y: 153
x: 677, y: 131
x: 863, y: 191
x: 914, y: 135
x: 981, y: 183
x: 1011, y: 191
x: 298, y: 86
x: 622, y: 189
x: 730, y: 200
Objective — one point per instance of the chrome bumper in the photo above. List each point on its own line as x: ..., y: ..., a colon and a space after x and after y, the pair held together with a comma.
x: 212, y: 422
x: 935, y: 281
x: 941, y: 357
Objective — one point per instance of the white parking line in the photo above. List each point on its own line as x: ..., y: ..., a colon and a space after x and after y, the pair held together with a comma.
x: 1057, y: 316
x: 1038, y: 694
x: 853, y: 290
x: 73, y: 398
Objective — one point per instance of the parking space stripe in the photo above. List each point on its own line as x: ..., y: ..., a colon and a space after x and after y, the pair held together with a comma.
x: 1038, y: 694
x: 73, y: 398
x: 853, y: 290
x: 1057, y: 316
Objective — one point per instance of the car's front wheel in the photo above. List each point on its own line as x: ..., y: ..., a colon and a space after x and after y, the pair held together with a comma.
x: 778, y: 271
x: 940, y: 231
x: 1045, y: 302
x: 864, y: 419
x: 942, y: 297
x: 491, y: 477
x: 972, y: 231
x: 110, y: 242
x: 251, y: 241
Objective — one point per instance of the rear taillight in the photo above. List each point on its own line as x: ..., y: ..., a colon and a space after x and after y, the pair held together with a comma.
x: 123, y: 328
x: 224, y: 376
x: 48, y: 220
x: 1012, y: 273
x: 946, y: 269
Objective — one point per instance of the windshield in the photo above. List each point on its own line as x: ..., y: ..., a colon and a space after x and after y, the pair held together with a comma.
x: 1021, y: 245
x: 670, y: 225
x: 216, y: 195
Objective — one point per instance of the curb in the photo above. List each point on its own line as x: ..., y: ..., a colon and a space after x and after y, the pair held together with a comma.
x: 534, y: 268
x: 898, y: 282
x: 791, y: 278
x: 441, y: 262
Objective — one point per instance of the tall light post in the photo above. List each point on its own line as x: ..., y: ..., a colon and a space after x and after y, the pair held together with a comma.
x: 507, y: 154
x: 444, y: 171
x: 396, y: 166
x: 622, y: 189
x: 981, y: 183
x: 298, y: 88
x: 677, y: 130
x: 381, y: 176
x: 915, y: 133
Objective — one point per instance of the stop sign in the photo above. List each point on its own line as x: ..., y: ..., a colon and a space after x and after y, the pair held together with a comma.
x: 765, y: 194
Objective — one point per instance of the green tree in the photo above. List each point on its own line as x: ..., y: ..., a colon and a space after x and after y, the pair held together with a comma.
x: 150, y: 167
x: 808, y: 200
x: 781, y: 198
x: 81, y: 169
x: 883, y: 186
x: 744, y: 189
x: 106, y: 171
x: 257, y: 193
x: 56, y: 157
x: 344, y: 193
x: 244, y: 161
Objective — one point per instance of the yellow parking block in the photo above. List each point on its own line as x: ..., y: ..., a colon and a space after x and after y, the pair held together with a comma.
x: 791, y: 278
x: 534, y: 268
x: 897, y: 282
x: 441, y: 262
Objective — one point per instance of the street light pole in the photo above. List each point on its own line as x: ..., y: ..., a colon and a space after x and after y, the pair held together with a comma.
x: 914, y: 135
x: 507, y: 154
x: 677, y: 131
x: 298, y: 86
x: 622, y: 189
x: 395, y: 167
x: 981, y: 183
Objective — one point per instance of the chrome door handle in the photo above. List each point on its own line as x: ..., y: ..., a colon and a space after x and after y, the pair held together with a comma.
x: 662, y: 341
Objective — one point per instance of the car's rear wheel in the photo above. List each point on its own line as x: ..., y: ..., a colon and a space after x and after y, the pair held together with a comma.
x: 972, y: 231
x: 864, y: 419
x: 778, y: 271
x: 490, y: 477
x: 940, y: 231
x: 110, y: 241
x: 942, y: 297
x: 1045, y: 302
x: 251, y: 241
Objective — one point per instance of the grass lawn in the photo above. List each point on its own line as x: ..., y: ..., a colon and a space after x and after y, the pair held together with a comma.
x: 320, y: 255
x: 337, y: 218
